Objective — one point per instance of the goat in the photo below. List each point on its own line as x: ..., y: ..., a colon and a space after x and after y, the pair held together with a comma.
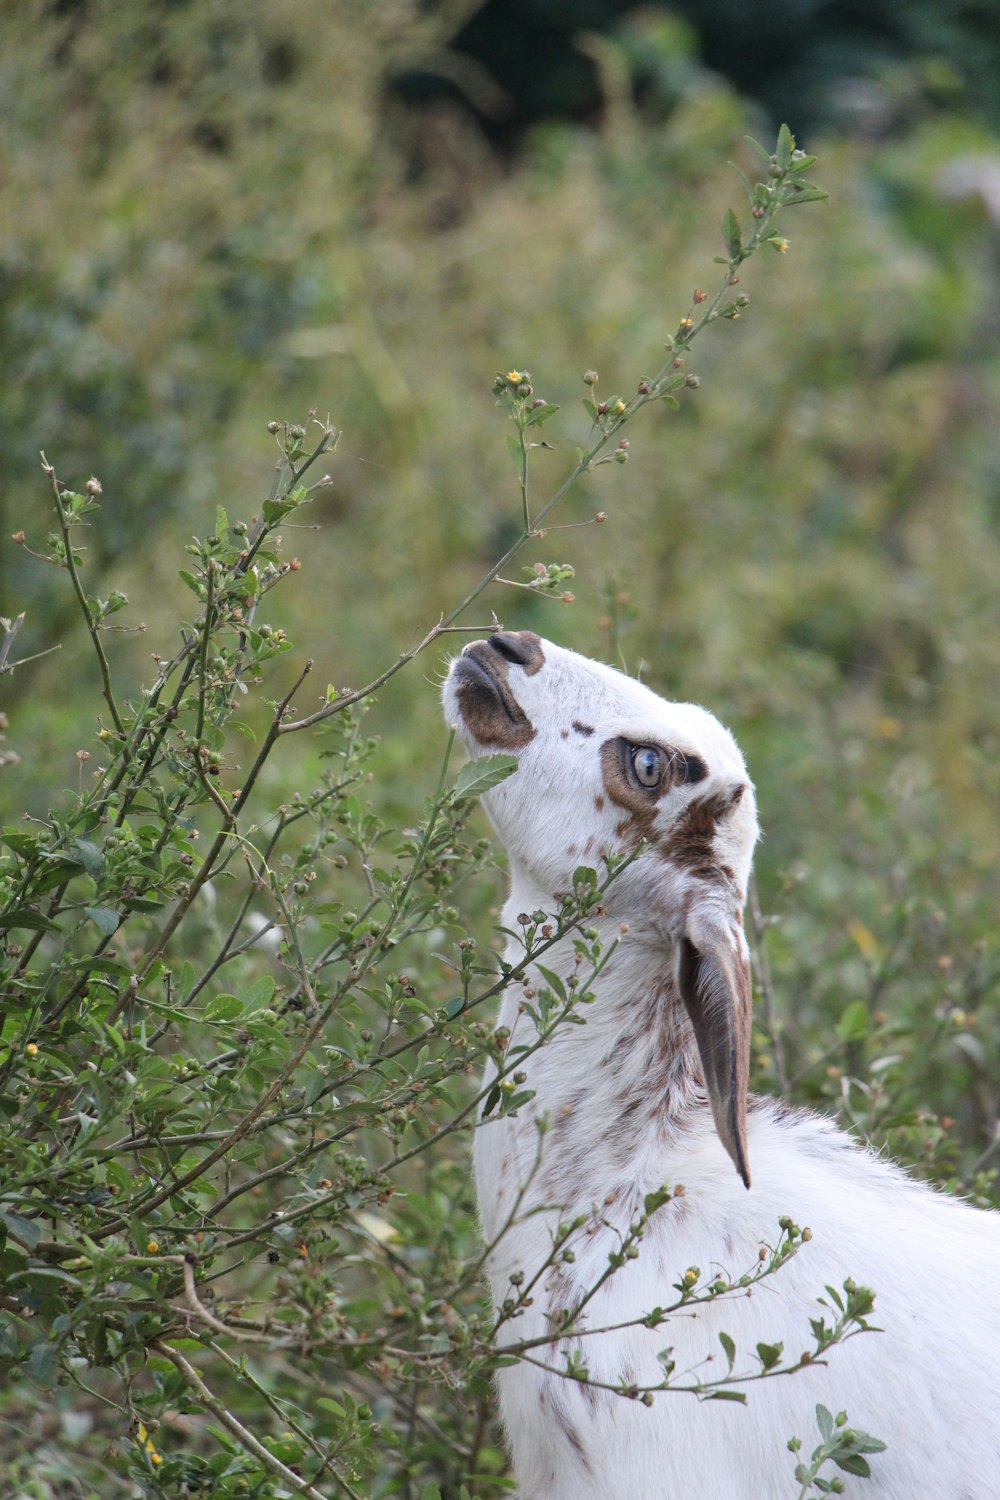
x: 652, y: 1089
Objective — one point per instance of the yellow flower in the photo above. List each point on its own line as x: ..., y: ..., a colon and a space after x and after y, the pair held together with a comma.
x: 515, y: 377
x: 151, y: 1247
x: 31, y: 1049
x: 781, y: 245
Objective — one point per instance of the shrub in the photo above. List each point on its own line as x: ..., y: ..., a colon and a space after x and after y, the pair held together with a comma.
x: 241, y: 1033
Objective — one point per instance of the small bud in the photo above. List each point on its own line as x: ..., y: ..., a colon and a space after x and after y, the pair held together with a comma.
x: 676, y: 364
x: 602, y: 408
x: 743, y: 300
x: 643, y: 388
x: 624, y: 442
x: 18, y: 538
x: 684, y: 328
x: 151, y: 1247
x: 699, y: 295
x: 646, y: 1398
x: 602, y: 515
x: 273, y: 427
x: 82, y: 755
x: 775, y: 171
x: 294, y: 566
x: 93, y: 486
x: 756, y: 212
x: 780, y: 244
x: 568, y: 598
x: 692, y: 381
x: 32, y: 1049
x: 539, y: 401
x: 590, y: 377
x: 620, y: 456
x: 618, y: 408
x: 298, y: 433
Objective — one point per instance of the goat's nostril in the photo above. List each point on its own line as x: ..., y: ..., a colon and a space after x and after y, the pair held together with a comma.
x: 519, y: 648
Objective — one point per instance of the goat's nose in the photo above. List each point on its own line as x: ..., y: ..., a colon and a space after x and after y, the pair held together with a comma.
x: 521, y: 647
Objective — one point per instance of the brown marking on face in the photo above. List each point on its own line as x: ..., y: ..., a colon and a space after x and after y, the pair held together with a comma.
x: 638, y: 801
x: 564, y: 734
x: 487, y: 702
x: 585, y: 729
x: 571, y: 851
x: 690, y: 843
x: 599, y: 803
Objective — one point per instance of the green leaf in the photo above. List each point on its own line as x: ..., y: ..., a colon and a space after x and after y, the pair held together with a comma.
x: 196, y: 585
x: 853, y: 1463
x: 87, y: 854
x: 539, y: 414
x: 21, y: 916
x: 516, y: 454
x: 727, y: 1396
x: 731, y: 234
x: 26, y: 1231
x: 223, y: 1008
x: 770, y: 1354
x: 807, y: 193
x: 479, y: 775
x: 259, y: 995
x: 785, y: 147
x: 430, y: 1492
x: 454, y: 1007
x: 730, y: 1349
x: 824, y: 1421
x: 104, y: 919
x: 855, y: 1022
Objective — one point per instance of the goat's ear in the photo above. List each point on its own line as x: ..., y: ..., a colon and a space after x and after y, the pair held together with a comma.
x: 713, y: 974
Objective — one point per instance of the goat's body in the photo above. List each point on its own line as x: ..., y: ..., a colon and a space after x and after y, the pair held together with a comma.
x: 650, y: 1090
x: 923, y: 1385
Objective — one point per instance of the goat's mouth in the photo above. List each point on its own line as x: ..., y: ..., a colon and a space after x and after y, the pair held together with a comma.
x: 490, y: 712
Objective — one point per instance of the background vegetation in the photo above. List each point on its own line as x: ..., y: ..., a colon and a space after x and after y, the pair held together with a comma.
x: 214, y: 216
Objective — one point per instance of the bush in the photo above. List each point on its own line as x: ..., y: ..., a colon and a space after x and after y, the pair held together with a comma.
x: 241, y: 1034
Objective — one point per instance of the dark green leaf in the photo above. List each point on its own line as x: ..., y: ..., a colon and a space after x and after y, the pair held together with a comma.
x: 22, y: 917
x: 26, y: 1231
x: 104, y: 919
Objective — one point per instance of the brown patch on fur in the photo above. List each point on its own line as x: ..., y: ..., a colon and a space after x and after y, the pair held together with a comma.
x: 585, y: 729
x: 489, y: 708
x: 564, y: 734
x: 599, y: 803
x: 641, y: 802
x: 690, y: 842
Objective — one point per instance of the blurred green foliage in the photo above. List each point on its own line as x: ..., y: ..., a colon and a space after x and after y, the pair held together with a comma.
x: 215, y: 215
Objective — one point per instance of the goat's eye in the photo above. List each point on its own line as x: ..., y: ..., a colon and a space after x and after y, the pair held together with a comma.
x: 648, y: 763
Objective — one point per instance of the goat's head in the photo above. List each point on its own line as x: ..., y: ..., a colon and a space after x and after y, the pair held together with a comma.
x: 606, y: 766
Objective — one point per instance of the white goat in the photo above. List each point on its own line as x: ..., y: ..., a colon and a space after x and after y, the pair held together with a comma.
x: 652, y: 1089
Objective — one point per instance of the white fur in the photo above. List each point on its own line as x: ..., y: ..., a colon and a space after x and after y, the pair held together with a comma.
x: 926, y: 1385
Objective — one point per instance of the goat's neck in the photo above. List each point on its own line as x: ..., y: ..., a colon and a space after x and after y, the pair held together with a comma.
x: 630, y: 1075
